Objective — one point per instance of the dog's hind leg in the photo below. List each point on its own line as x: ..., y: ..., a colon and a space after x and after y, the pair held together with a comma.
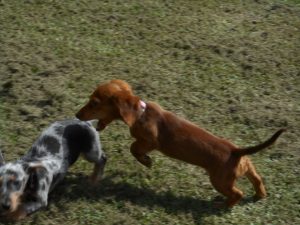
x: 98, y: 157
x: 255, y: 179
x: 98, y: 170
x: 227, y: 188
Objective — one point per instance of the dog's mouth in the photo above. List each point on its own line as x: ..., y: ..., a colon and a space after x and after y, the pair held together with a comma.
x: 4, y: 210
x: 101, y: 125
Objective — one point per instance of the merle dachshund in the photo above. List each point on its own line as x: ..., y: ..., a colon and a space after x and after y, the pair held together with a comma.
x: 26, y: 183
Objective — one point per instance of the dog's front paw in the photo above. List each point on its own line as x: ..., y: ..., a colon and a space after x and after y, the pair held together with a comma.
x: 94, y: 180
x: 259, y: 196
x: 146, y: 161
x: 17, y: 215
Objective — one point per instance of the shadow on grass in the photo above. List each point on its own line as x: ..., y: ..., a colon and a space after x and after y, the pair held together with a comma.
x: 75, y: 187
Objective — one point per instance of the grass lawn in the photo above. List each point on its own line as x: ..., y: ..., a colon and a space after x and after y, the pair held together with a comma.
x: 232, y: 67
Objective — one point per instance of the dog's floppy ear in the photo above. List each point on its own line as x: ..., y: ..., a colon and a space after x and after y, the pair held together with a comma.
x: 1, y: 159
x: 35, y: 172
x: 128, y: 108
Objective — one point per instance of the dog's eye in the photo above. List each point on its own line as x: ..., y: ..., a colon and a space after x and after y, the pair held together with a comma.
x: 16, y: 184
x: 94, y: 103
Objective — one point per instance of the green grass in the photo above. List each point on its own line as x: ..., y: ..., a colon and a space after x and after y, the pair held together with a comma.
x: 231, y: 67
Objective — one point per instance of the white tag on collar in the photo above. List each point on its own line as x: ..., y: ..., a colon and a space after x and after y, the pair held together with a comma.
x: 143, y: 105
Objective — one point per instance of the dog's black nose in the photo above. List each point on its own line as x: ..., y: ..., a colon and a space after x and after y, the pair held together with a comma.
x: 78, y: 115
x: 103, y: 158
x: 5, y: 206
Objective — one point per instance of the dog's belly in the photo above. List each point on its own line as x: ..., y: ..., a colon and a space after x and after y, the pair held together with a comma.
x: 196, y: 153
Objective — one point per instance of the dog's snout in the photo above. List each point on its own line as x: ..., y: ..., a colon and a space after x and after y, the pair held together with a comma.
x: 81, y: 115
x: 5, y: 206
x: 78, y: 115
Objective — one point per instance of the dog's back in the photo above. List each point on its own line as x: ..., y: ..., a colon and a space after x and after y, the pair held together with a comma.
x: 179, y: 138
x: 63, y: 140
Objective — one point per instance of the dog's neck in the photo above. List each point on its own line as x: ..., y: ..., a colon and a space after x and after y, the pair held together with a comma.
x: 138, y: 113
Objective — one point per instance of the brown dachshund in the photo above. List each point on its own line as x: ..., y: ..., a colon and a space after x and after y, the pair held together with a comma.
x: 156, y: 128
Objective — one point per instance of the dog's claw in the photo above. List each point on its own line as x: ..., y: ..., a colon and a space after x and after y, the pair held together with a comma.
x: 145, y: 160
x: 94, y: 181
x: 16, y: 216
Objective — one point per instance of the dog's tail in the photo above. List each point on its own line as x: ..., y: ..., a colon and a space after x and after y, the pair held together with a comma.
x: 251, y: 150
x: 1, y: 159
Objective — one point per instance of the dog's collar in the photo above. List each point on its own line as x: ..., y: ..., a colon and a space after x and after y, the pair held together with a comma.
x: 143, y: 105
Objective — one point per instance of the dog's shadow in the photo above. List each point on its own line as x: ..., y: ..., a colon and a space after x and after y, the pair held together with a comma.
x: 75, y: 187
